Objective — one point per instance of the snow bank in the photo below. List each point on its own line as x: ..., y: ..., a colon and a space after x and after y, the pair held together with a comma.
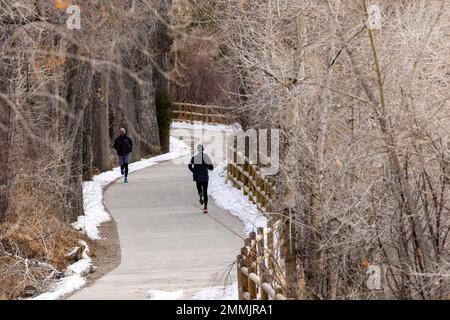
x: 213, y: 293
x: 73, y: 277
x: 94, y: 210
x: 234, y: 201
x: 165, y: 295
x: 218, y: 293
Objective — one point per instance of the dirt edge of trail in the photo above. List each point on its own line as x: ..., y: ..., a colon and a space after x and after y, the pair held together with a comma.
x: 106, y: 252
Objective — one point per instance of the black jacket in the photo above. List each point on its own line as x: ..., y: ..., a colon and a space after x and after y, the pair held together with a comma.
x: 199, y: 166
x: 123, y: 145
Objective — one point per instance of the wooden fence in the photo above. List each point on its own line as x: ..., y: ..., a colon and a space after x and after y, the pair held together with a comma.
x: 247, y: 177
x: 258, y: 271
x: 188, y: 112
x: 260, y: 265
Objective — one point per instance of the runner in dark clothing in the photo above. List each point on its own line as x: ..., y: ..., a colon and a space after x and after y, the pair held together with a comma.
x: 199, y: 166
x: 124, y: 146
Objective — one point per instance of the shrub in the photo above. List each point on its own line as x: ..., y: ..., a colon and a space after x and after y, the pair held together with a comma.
x: 163, y: 103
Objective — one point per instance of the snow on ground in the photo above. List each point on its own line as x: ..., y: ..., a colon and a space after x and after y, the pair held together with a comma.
x: 73, y: 277
x: 205, y: 126
x: 213, y: 293
x: 95, y: 215
x: 94, y: 211
x: 218, y: 293
x: 165, y: 295
x: 234, y: 200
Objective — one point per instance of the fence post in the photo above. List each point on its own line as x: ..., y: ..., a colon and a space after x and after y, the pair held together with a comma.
x: 244, y: 263
x: 239, y: 276
x: 270, y: 244
x: 249, y: 182
x: 245, y: 178
x: 279, y: 291
x: 234, y: 169
x: 239, y: 173
x: 251, y: 285
x: 261, y: 247
x: 253, y: 252
x: 264, y: 279
x: 253, y: 186
x: 258, y: 190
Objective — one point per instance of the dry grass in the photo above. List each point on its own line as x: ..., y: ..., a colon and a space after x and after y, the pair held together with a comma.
x: 35, y: 241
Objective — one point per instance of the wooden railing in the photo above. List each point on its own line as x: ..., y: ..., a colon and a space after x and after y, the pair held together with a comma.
x: 188, y: 112
x: 257, y: 267
x: 247, y: 177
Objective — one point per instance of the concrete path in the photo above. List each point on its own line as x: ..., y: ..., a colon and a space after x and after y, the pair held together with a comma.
x: 167, y: 243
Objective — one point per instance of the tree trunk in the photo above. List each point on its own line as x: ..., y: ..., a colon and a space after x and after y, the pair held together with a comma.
x: 163, y: 45
x: 78, y: 102
x: 101, y: 146
x: 5, y: 147
x: 87, y: 143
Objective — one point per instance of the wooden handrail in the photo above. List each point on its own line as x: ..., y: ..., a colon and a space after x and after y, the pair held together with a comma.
x: 200, y: 114
x: 201, y: 106
x: 263, y: 285
x: 247, y: 177
x: 254, y: 273
x: 189, y: 112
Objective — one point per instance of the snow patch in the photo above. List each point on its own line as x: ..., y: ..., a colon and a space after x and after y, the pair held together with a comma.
x: 74, y: 277
x: 233, y: 200
x: 218, y: 293
x: 165, y: 295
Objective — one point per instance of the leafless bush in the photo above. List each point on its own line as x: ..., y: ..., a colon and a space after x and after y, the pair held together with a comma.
x: 64, y: 93
x: 198, y: 74
x: 364, y: 177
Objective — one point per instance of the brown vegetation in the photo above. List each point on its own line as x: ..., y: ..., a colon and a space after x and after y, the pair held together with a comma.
x: 63, y: 95
x: 365, y: 149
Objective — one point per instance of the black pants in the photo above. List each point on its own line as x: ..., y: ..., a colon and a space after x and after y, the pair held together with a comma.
x: 202, y: 188
x: 124, y: 168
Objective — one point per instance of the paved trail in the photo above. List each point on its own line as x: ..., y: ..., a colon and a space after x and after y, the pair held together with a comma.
x: 167, y: 243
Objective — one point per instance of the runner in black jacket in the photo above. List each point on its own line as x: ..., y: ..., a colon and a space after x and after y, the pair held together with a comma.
x: 199, y: 166
x: 124, y: 146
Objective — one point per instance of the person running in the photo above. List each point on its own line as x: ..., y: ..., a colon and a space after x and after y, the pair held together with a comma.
x: 199, y: 166
x: 124, y: 147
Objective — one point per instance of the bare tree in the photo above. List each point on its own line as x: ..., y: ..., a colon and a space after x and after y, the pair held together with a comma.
x: 64, y: 93
x: 363, y: 179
